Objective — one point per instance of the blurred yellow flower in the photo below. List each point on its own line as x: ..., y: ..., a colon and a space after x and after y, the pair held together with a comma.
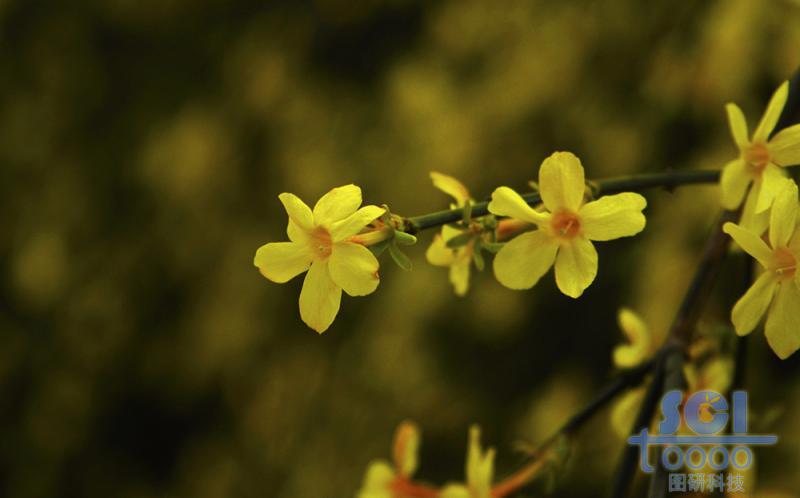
x: 565, y: 229
x: 479, y: 469
x: 459, y: 259
x: 640, y: 345
x: 759, y: 162
x: 320, y: 243
x: 775, y: 292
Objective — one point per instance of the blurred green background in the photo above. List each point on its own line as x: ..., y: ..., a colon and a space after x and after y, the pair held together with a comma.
x: 143, y: 145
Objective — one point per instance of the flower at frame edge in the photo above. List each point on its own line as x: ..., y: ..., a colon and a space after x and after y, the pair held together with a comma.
x: 384, y: 480
x: 776, y: 292
x: 320, y: 244
x: 459, y: 259
x: 565, y: 229
x: 479, y: 470
x: 638, y: 349
x: 760, y: 161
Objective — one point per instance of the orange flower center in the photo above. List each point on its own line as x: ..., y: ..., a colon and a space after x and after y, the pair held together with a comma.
x: 757, y: 156
x: 321, y: 243
x: 785, y: 263
x: 565, y: 224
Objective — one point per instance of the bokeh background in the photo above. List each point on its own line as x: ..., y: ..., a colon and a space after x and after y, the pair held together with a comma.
x: 143, y: 145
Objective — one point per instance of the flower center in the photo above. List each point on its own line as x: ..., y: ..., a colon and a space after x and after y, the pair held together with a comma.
x: 565, y: 225
x: 785, y: 263
x: 757, y: 156
x: 321, y: 243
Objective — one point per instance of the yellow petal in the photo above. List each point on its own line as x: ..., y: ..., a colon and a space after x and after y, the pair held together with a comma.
x: 751, y: 220
x: 625, y: 410
x: 784, y: 147
x: 282, y: 261
x: 738, y: 125
x: 636, y: 351
x: 750, y: 242
x: 297, y: 234
x: 613, y: 216
x: 455, y: 491
x: 771, y: 115
x: 354, y: 223
x: 576, y: 266
x: 320, y: 297
x: 783, y: 215
x: 354, y: 268
x: 451, y: 187
x: 406, y: 448
x: 733, y: 183
x: 717, y: 374
x: 781, y: 329
x: 506, y: 202
x: 377, y: 481
x: 524, y: 259
x: 561, y: 182
x: 459, y: 272
x: 438, y: 254
x: 297, y: 210
x: 480, y: 465
x: 747, y: 312
x: 772, y: 179
x: 337, y: 204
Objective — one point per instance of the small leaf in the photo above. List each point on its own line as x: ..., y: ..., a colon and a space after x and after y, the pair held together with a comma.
x: 399, y: 257
x: 533, y: 185
x: 404, y: 239
x: 477, y: 258
x: 460, y: 240
x: 493, y: 247
x: 377, y: 249
x: 467, y: 214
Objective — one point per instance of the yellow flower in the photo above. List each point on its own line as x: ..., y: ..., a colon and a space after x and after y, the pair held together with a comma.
x: 759, y: 162
x: 320, y: 243
x: 479, y: 469
x: 459, y: 260
x: 640, y: 347
x: 775, y: 292
x: 565, y: 229
x: 384, y: 480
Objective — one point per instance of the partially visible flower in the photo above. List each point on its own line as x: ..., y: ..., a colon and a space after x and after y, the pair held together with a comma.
x: 479, y: 470
x: 385, y: 480
x: 458, y: 259
x: 775, y: 293
x: 640, y: 345
x: 320, y: 243
x: 759, y: 162
x: 565, y: 229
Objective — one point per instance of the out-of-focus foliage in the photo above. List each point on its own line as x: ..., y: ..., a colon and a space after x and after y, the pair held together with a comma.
x: 143, y: 145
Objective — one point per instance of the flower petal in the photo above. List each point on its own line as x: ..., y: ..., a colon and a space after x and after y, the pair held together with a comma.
x: 771, y: 115
x: 772, y: 179
x: 438, y: 254
x: 784, y: 147
x: 749, y: 309
x: 781, y: 329
x: 561, y: 182
x: 783, y: 215
x: 750, y: 242
x: 639, y: 340
x: 524, y: 259
x: 455, y: 491
x: 377, y: 481
x: 576, y: 266
x: 613, y: 216
x: 733, y: 183
x: 459, y: 272
x: 624, y: 411
x: 506, y: 202
x: 406, y: 448
x: 354, y: 268
x: 355, y: 222
x: 451, y: 187
x: 297, y: 210
x: 480, y: 465
x: 337, y: 204
x: 320, y: 297
x: 297, y: 234
x: 750, y: 219
x: 282, y: 261
x: 738, y: 125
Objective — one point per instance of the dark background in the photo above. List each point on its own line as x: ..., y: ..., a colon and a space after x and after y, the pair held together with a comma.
x: 143, y: 144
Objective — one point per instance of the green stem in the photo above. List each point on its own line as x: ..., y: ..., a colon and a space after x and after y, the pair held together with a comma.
x: 668, y: 179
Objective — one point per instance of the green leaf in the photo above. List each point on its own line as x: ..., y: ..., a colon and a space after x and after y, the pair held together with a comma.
x: 460, y: 240
x: 377, y: 249
x: 467, y: 214
x: 404, y: 239
x: 493, y: 247
x: 399, y: 257
x: 477, y: 258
